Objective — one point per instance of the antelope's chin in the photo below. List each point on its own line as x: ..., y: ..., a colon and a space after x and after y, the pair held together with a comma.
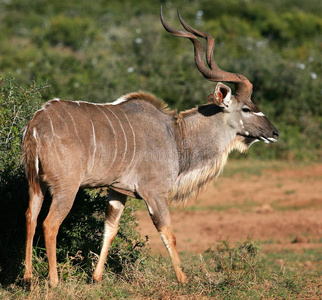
x: 250, y: 141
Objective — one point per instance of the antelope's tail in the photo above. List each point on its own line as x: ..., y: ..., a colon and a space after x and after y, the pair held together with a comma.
x: 30, y: 157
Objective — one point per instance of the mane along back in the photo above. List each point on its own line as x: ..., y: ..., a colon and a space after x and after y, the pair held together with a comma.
x: 147, y: 97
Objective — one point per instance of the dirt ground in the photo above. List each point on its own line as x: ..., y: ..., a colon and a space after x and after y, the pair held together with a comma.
x: 281, y: 207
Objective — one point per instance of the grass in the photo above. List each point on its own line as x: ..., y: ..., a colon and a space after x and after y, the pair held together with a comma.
x: 256, y: 167
x: 245, y: 206
x: 224, y: 272
x: 313, y: 203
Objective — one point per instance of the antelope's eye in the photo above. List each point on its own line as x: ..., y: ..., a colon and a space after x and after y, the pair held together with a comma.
x: 246, y: 110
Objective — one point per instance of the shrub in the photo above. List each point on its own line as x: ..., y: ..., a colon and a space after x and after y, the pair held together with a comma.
x: 17, y: 104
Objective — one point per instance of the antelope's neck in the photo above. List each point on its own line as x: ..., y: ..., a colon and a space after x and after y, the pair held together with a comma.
x: 203, y: 139
x: 204, y: 150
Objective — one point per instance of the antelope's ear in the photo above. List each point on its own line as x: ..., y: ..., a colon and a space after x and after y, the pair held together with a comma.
x: 221, y: 95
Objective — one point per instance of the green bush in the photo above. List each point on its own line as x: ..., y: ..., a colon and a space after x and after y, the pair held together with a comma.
x: 17, y: 105
x: 68, y: 31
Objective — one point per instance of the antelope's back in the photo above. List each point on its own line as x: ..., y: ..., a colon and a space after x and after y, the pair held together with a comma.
x: 100, y: 144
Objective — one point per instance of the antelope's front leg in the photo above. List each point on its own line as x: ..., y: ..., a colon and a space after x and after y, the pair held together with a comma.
x: 113, y: 215
x: 160, y: 216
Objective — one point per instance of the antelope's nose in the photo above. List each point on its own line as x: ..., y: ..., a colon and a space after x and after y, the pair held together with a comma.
x: 276, y: 134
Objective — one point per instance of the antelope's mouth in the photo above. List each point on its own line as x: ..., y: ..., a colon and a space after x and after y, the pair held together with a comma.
x: 249, y: 140
x: 268, y: 140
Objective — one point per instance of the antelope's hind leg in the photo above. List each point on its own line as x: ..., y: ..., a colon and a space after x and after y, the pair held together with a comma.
x: 36, y: 197
x: 62, y: 202
x: 114, y: 210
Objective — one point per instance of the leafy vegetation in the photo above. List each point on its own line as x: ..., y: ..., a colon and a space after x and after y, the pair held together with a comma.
x: 100, y: 51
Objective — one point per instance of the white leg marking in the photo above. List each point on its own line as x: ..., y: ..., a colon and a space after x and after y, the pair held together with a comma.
x: 108, y: 228
x: 165, y: 241
x: 115, y: 204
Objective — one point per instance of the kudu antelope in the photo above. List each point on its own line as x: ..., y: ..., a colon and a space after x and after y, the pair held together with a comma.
x: 137, y: 148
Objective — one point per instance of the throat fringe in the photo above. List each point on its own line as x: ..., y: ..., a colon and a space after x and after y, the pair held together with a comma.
x: 192, y: 181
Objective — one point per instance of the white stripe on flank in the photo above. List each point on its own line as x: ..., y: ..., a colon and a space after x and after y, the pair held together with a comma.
x: 74, y: 124
x: 114, y: 133
x: 51, y: 124
x: 24, y: 132
x: 134, y: 142
x: 94, y: 142
x: 125, y: 138
x: 260, y: 114
x: 37, y: 164
x: 34, y: 133
x: 54, y: 144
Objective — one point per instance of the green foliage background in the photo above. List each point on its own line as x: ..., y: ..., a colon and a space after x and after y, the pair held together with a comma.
x: 99, y: 50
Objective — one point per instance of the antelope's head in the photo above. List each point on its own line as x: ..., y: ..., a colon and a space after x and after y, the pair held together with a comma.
x: 241, y: 114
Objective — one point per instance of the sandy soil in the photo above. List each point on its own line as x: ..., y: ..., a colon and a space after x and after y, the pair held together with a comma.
x: 282, y: 208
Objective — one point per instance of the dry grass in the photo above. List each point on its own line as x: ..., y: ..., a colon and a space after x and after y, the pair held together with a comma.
x: 239, y: 272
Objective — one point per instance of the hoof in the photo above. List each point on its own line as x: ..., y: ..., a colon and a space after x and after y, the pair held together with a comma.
x: 27, y: 284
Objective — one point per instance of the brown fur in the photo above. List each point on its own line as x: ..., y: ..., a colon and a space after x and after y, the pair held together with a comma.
x: 150, y: 98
